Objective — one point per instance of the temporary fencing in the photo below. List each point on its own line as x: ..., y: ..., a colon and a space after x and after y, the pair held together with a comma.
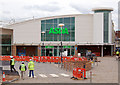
x: 54, y: 59
x: 79, y: 73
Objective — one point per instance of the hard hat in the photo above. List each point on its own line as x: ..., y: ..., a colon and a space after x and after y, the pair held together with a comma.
x: 30, y: 59
x: 22, y: 61
x: 11, y: 56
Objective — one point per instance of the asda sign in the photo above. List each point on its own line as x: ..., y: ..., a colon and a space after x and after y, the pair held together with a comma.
x: 58, y: 31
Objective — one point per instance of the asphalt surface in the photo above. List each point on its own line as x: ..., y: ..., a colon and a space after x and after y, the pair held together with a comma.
x: 49, y: 73
x: 105, y: 72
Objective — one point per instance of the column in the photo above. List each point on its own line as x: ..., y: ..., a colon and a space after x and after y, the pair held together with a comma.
x: 39, y: 50
x: 102, y: 51
x: 112, y: 50
x: 0, y: 45
x: 76, y: 50
x: 14, y: 50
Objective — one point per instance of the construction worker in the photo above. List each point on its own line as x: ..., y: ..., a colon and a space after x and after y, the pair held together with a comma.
x: 12, y: 63
x: 22, y: 69
x: 31, y: 68
x: 117, y: 53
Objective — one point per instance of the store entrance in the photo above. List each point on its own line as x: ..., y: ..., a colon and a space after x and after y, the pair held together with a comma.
x: 49, y: 52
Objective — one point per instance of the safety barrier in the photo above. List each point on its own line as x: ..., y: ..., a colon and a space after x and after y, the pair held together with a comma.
x: 54, y: 59
x: 79, y: 73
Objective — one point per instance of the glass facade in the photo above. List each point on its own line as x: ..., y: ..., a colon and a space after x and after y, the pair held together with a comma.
x: 6, y: 44
x: 55, y: 50
x: 46, y: 25
x: 106, y: 24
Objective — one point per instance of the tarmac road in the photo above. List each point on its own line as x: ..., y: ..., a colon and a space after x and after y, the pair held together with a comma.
x: 105, y: 72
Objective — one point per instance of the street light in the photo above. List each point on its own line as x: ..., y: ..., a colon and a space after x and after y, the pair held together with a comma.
x: 43, y: 32
x: 61, y: 25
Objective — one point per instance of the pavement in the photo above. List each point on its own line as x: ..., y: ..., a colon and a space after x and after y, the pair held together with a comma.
x: 105, y: 72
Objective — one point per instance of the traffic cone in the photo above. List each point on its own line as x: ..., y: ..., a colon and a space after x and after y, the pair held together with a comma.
x: 3, y: 76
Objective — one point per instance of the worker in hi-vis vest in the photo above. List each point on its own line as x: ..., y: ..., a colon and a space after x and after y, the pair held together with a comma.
x: 22, y: 69
x: 117, y: 54
x: 31, y: 68
x: 12, y: 63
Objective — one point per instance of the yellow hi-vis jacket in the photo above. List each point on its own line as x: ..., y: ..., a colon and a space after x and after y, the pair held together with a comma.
x: 31, y: 65
x: 117, y: 52
x: 13, y: 62
x: 22, y: 67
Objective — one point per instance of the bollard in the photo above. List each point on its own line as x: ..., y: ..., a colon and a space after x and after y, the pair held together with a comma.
x: 97, y: 63
x: 69, y: 67
x: 83, y: 74
x: 93, y: 63
x: 90, y: 76
x: 66, y: 66
x: 3, y: 76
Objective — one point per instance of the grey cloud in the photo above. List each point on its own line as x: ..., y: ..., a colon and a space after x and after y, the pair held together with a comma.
x: 48, y: 7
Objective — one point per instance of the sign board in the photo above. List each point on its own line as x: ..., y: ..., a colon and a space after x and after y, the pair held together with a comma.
x: 49, y: 46
x: 66, y: 46
x: 58, y: 31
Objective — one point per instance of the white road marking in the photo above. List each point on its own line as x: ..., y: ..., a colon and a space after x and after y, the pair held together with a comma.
x: 54, y: 75
x: 42, y: 75
x: 65, y: 75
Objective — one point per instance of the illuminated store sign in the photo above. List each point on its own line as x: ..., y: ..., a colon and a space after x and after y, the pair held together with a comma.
x: 58, y: 31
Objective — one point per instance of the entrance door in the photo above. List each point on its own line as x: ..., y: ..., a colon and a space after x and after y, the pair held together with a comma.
x: 49, y: 52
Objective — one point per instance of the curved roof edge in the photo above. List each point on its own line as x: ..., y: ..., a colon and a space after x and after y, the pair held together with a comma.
x: 49, y: 17
x: 103, y: 8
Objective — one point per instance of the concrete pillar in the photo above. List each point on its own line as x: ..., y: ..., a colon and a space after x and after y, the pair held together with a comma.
x: 0, y: 45
x: 39, y: 50
x: 102, y: 51
x: 76, y: 50
x: 14, y: 50
x: 112, y: 50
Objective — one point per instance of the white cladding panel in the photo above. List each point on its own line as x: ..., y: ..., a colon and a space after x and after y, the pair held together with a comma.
x: 110, y: 28
x: 27, y: 32
x: 84, y: 28
x: 98, y: 28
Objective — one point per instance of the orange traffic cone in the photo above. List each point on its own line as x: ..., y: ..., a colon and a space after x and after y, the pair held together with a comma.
x: 3, y: 76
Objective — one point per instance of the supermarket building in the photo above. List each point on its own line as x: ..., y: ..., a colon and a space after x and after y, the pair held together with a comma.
x: 40, y: 37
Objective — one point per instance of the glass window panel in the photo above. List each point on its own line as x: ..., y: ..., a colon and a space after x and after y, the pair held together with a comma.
x: 61, y: 20
x: 48, y: 26
x: 42, y: 27
x: 55, y: 21
x: 67, y: 37
x: 72, y: 27
x: 55, y: 25
x: 67, y: 26
x: 72, y: 51
x: 55, y: 51
x: 49, y: 21
x: 59, y: 38
x: 43, y: 21
x: 56, y: 37
x: 72, y: 36
x: 49, y: 37
x: 6, y: 39
x: 6, y: 50
x: 72, y: 20
x: 67, y: 20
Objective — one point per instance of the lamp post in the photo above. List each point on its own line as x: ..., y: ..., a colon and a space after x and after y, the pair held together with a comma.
x: 61, y: 25
x: 43, y: 32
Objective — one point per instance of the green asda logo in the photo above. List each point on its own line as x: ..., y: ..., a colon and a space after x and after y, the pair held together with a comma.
x: 58, y: 31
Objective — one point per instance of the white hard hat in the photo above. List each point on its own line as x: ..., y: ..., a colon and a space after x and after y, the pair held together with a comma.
x: 11, y: 56
x: 30, y: 59
x: 22, y: 61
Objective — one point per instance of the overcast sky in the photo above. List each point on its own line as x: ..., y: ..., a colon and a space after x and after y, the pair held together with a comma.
x: 26, y: 9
